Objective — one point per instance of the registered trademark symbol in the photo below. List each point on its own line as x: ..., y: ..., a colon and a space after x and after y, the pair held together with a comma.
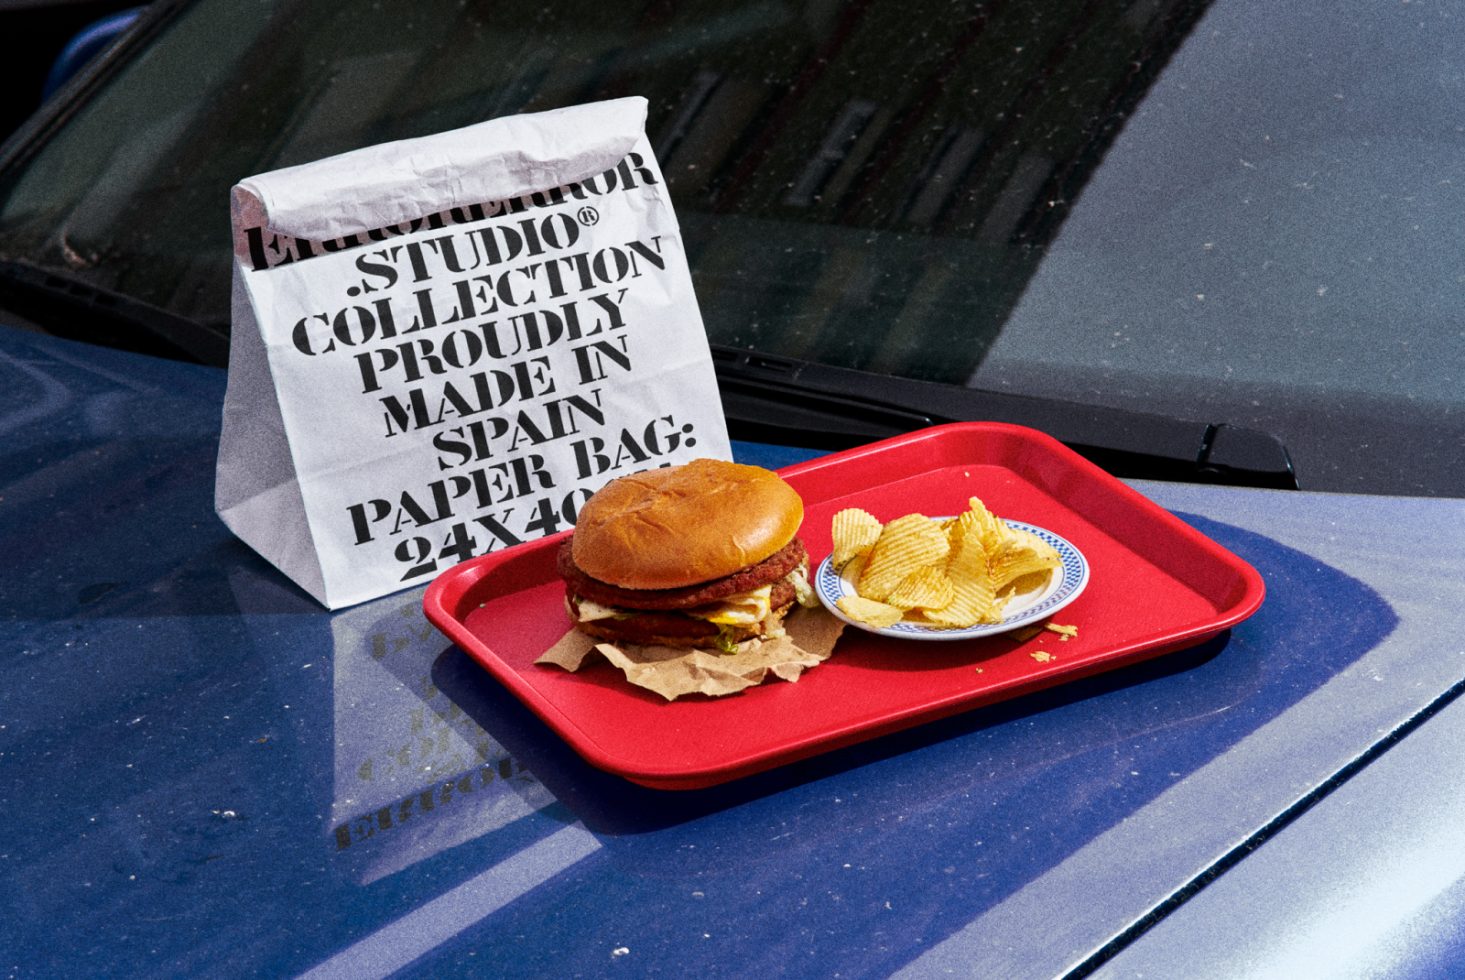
x: 587, y: 215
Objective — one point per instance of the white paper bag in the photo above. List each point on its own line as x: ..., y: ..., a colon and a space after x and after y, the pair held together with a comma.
x: 442, y: 346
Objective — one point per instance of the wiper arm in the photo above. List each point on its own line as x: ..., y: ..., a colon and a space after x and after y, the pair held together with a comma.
x: 765, y: 398
x: 68, y: 307
x: 793, y: 402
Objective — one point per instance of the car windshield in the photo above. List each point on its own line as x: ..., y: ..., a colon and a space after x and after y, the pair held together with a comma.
x: 1240, y: 211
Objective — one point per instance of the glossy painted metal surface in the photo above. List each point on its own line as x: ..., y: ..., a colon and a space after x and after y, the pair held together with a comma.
x: 1369, y: 883
x: 200, y: 769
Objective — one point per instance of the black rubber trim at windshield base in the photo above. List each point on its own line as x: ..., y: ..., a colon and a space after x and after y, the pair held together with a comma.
x: 786, y: 401
x: 1267, y: 831
x: 69, y: 307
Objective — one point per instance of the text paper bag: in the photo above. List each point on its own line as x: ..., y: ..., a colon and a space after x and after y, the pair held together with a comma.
x: 442, y: 346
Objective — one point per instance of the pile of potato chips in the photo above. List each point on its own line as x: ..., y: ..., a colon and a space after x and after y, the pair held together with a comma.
x: 946, y: 574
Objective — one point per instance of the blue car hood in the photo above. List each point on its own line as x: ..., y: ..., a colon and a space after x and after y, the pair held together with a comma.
x: 201, y: 769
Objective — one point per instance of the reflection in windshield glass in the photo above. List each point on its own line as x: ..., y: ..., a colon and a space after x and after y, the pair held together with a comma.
x: 828, y: 160
x: 1231, y: 211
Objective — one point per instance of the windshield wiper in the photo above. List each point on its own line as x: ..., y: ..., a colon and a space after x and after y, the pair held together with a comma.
x: 68, y: 307
x: 791, y: 402
x: 765, y: 398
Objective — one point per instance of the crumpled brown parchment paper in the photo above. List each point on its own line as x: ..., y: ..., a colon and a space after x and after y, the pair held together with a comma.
x: 673, y: 672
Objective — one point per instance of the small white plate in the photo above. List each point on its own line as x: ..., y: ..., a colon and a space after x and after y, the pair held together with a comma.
x: 1062, y: 588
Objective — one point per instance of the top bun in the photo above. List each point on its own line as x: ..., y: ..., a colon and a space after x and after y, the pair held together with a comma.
x: 681, y: 525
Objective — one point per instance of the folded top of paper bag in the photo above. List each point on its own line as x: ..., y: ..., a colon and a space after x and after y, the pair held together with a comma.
x: 409, y: 179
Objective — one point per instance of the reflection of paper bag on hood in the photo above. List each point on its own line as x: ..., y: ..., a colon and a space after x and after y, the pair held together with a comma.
x: 442, y: 346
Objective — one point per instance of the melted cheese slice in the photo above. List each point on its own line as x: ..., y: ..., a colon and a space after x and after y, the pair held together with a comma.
x: 743, y: 609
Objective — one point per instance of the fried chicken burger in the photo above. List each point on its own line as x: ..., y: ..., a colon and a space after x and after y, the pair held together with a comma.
x: 698, y: 555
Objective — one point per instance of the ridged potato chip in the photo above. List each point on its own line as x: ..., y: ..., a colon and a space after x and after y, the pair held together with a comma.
x: 928, y: 587
x: 904, y: 545
x: 855, y: 532
x: 1019, y: 555
x: 968, y: 543
x: 868, y: 611
x: 993, y: 528
x: 1024, y: 584
x: 974, y: 598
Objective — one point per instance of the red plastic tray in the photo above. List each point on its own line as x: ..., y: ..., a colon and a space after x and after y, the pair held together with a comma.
x: 1157, y: 585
